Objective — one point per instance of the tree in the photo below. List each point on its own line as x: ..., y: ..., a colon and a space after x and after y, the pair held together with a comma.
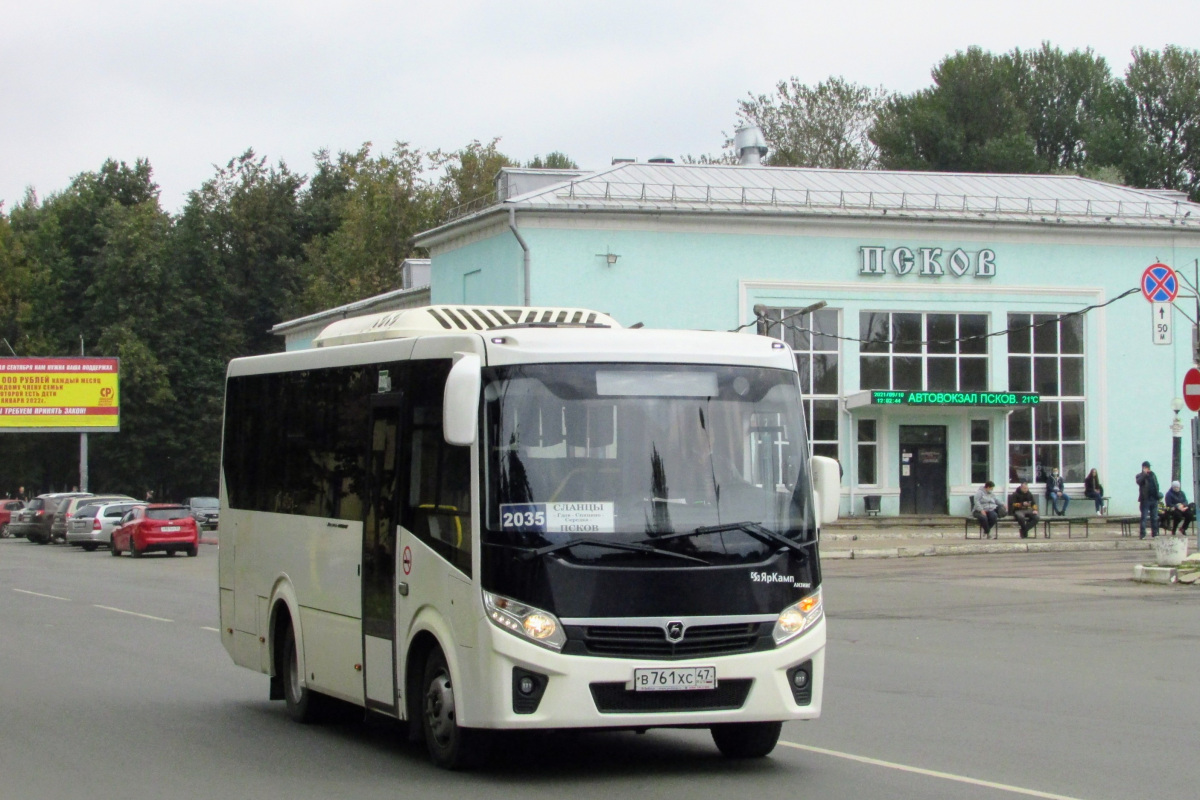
x: 469, y: 174
x: 241, y: 242
x: 1063, y: 96
x: 971, y: 120
x: 378, y: 205
x: 553, y: 160
x: 1164, y: 91
x: 822, y: 126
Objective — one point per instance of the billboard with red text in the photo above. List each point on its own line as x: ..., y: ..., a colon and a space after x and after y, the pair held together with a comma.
x: 60, y: 394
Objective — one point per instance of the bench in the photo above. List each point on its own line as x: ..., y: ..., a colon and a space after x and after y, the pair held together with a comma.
x: 973, y: 523
x: 1129, y: 525
x: 1049, y: 522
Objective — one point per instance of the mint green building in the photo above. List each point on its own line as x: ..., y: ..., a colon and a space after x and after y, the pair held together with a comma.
x: 973, y: 327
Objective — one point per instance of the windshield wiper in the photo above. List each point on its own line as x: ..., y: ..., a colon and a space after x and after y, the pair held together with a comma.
x: 637, y: 547
x: 760, y: 532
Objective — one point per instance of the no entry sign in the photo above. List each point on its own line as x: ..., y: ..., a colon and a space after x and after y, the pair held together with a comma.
x: 1191, y: 389
x: 1160, y: 284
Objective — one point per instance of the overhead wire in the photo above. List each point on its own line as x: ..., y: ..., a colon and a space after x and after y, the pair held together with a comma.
x: 783, y: 323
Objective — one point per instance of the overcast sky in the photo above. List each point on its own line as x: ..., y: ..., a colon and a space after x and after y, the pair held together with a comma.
x: 189, y: 85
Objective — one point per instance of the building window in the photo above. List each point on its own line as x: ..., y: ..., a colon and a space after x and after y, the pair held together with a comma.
x: 932, y: 352
x: 1045, y: 355
x: 868, y: 443
x: 813, y: 338
x: 981, y: 450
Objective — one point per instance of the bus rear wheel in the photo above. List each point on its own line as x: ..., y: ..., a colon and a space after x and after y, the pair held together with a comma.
x: 450, y: 746
x: 746, y: 739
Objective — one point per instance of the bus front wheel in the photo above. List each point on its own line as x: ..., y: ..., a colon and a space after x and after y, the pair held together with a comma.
x: 746, y: 739
x: 450, y: 746
x: 301, y: 701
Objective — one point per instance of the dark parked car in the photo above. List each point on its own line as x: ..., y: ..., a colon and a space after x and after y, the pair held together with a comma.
x: 34, y: 520
x: 7, y: 509
x: 205, y: 510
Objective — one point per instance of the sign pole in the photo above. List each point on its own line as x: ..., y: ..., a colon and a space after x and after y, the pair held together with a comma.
x: 83, y: 445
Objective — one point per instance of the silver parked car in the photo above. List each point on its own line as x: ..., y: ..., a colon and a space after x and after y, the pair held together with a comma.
x: 92, y: 525
x: 69, y: 508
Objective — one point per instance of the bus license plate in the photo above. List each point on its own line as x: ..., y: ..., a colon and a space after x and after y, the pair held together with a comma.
x: 169, y: 528
x: 655, y: 679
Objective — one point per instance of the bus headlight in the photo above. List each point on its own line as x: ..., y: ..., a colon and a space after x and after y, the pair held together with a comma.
x: 798, y: 617
x: 538, y: 626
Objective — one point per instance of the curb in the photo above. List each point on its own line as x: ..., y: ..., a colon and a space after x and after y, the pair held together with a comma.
x: 1149, y: 574
x: 980, y: 549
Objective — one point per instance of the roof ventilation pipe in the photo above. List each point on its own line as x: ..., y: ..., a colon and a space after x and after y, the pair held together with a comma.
x: 750, y: 145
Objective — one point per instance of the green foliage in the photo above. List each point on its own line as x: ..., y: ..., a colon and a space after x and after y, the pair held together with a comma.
x: 553, y: 160
x: 825, y: 125
x: 379, y: 205
x: 971, y: 120
x: 1063, y: 96
x: 469, y: 173
x: 1163, y: 150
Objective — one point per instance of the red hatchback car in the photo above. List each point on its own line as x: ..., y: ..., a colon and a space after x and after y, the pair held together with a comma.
x: 167, y: 527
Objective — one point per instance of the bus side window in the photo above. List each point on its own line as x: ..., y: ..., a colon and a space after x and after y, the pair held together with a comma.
x: 438, y: 506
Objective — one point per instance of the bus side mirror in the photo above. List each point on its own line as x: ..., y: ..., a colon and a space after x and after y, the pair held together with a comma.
x: 460, y: 406
x: 827, y: 488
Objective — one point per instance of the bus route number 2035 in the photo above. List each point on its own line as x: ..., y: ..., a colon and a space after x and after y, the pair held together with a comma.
x: 527, y: 517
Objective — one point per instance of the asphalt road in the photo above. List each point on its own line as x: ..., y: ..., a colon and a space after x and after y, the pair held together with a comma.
x: 1048, y: 675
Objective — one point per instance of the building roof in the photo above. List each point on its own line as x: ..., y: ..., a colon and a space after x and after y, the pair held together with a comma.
x: 790, y: 191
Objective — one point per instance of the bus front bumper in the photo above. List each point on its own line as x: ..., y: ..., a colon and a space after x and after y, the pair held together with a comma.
x: 597, y: 692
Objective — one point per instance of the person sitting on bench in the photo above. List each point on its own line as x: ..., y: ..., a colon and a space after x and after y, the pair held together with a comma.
x: 1024, y: 509
x: 1178, y: 512
x: 1056, y: 494
x: 987, y: 509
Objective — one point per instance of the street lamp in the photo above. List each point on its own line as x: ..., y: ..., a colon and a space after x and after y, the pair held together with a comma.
x: 1176, y: 439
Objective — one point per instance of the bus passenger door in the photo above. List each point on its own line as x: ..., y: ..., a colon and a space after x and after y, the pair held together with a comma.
x: 379, y: 558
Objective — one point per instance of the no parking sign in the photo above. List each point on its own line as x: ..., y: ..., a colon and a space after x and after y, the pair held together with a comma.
x: 1160, y: 284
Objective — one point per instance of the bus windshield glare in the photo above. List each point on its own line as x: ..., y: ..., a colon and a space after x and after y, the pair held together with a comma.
x: 617, y: 462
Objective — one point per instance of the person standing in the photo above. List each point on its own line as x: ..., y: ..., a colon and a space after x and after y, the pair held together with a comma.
x: 1024, y: 509
x: 1094, y: 489
x: 1148, y: 497
x: 986, y: 506
x: 1178, y: 513
x: 1056, y: 493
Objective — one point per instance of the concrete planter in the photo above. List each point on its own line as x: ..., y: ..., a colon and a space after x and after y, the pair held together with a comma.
x: 1169, y: 551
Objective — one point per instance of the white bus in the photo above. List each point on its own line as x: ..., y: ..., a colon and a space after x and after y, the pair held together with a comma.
x: 474, y: 518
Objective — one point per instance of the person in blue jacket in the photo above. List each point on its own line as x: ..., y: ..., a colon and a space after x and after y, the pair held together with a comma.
x: 1056, y: 494
x: 1179, y: 513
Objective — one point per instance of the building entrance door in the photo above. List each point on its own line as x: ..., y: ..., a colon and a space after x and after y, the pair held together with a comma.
x: 922, y: 469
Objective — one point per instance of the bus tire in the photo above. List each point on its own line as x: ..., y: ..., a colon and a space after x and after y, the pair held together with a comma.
x: 303, y: 704
x: 746, y: 739
x: 450, y: 746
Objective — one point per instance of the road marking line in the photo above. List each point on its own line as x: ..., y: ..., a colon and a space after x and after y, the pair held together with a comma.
x: 206, y: 628
x: 39, y: 594
x: 948, y: 776
x: 132, y: 613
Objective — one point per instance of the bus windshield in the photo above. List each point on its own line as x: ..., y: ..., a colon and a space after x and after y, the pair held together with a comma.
x: 674, y: 463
